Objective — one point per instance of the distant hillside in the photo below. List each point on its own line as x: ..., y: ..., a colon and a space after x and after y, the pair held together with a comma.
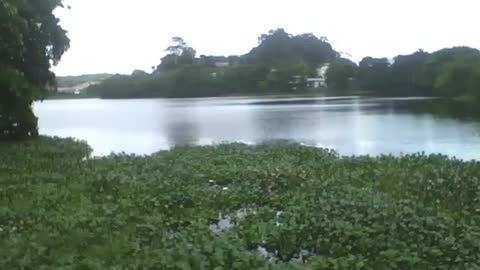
x: 72, y: 81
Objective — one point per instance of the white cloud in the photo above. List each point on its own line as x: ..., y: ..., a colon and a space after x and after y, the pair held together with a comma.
x: 118, y: 36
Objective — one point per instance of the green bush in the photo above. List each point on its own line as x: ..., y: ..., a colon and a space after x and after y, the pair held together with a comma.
x: 282, y: 206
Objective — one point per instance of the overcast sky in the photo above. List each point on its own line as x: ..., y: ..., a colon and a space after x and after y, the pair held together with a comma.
x: 119, y: 36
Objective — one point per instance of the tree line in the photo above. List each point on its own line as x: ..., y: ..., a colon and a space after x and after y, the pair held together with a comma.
x: 449, y: 72
x: 282, y: 62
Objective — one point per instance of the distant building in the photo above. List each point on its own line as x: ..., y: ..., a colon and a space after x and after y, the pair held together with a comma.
x: 77, y: 89
x: 221, y: 64
x: 320, y: 80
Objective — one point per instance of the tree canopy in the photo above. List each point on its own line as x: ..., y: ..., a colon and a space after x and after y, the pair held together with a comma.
x: 31, y: 40
x: 340, y: 74
x: 281, y: 48
x: 448, y: 72
x: 179, y: 54
x: 282, y: 63
x: 373, y: 73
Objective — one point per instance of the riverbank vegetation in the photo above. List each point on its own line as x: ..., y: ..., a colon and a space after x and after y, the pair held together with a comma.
x: 451, y: 72
x: 277, y: 206
x: 281, y: 62
x: 293, y: 64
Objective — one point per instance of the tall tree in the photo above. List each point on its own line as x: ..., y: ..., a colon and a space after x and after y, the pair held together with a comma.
x: 179, y: 54
x: 448, y: 71
x: 274, y: 48
x: 340, y: 74
x: 31, y: 40
x: 279, y: 48
x: 313, y: 50
x: 406, y: 74
x: 374, y: 74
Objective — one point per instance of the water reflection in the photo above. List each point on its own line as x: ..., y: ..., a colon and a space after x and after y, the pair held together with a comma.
x: 180, y: 129
x: 350, y: 125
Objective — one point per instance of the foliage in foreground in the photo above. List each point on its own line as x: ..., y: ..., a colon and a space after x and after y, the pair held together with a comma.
x: 31, y: 40
x: 305, y: 208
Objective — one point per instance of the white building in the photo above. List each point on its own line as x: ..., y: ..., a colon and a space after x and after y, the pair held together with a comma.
x: 77, y: 89
x: 221, y: 64
x: 320, y: 80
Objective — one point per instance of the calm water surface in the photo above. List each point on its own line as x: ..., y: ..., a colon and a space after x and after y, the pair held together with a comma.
x: 350, y: 125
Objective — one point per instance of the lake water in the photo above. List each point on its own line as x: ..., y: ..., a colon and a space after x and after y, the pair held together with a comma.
x: 349, y: 125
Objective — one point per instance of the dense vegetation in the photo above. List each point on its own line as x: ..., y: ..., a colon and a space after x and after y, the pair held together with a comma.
x: 235, y: 207
x: 282, y: 62
x: 31, y: 40
x: 279, y: 64
x: 447, y: 72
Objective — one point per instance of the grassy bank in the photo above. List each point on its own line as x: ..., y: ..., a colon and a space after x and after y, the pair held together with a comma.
x: 235, y: 207
x: 59, y: 96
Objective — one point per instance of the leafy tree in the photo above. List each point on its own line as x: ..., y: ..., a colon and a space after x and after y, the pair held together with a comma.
x: 312, y: 50
x: 340, y: 74
x: 178, y: 47
x: 274, y: 48
x: 438, y: 60
x: 245, y: 78
x: 448, y: 71
x: 374, y: 74
x: 279, y: 48
x: 139, y: 72
x: 453, y: 79
x: 406, y: 74
x: 194, y: 81
x: 16, y: 94
x: 179, y: 54
x: 31, y: 40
